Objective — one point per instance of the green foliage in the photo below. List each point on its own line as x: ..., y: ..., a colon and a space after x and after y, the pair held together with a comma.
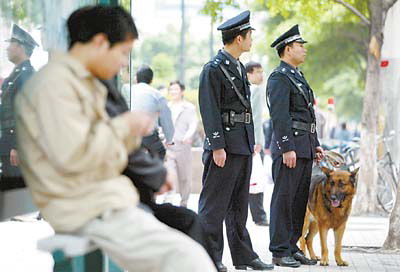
x: 215, y: 7
x: 21, y: 11
x: 163, y: 67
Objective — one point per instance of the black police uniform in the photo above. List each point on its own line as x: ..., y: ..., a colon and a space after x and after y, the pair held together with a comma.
x: 11, y: 175
x: 228, y: 125
x: 293, y: 120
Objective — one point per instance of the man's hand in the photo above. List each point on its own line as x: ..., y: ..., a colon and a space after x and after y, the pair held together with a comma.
x: 257, y: 148
x: 267, y: 151
x: 187, y: 140
x: 289, y: 159
x: 219, y: 157
x: 319, y: 153
x: 140, y: 123
x: 168, y: 185
x: 14, y: 161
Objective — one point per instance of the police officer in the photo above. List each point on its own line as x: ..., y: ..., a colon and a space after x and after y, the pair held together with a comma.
x: 224, y: 99
x: 20, y: 48
x: 294, y: 145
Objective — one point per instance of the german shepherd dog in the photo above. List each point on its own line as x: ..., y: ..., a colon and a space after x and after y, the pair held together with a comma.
x: 329, y: 206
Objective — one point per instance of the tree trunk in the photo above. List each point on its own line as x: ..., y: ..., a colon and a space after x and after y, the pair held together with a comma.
x: 393, y: 238
x: 366, y: 201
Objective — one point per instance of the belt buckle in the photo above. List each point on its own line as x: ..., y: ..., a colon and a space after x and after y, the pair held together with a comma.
x: 247, y: 118
x: 312, y: 128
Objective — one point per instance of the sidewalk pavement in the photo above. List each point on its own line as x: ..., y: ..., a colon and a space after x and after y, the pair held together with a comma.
x: 363, y: 235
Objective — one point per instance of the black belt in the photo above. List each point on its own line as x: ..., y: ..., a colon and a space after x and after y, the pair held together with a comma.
x: 230, y: 118
x: 309, y: 127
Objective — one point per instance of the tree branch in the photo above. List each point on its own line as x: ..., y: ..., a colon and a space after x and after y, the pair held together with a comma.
x: 387, y: 4
x: 364, y: 19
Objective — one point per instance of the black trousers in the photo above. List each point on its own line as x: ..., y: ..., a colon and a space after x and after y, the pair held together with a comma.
x: 288, y: 205
x: 225, y: 196
x: 256, y: 203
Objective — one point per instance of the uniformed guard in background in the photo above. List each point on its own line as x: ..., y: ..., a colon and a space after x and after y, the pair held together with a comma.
x: 224, y: 99
x: 294, y: 145
x: 20, y: 48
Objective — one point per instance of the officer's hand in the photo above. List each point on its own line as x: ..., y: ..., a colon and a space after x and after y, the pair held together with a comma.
x: 140, y: 123
x: 219, y: 157
x: 319, y: 153
x: 289, y: 159
x: 14, y: 161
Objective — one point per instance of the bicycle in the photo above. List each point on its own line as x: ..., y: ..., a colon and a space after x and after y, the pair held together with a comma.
x: 388, y: 174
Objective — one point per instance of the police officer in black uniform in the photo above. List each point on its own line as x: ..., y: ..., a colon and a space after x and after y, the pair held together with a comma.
x: 20, y: 48
x: 294, y: 145
x: 224, y: 99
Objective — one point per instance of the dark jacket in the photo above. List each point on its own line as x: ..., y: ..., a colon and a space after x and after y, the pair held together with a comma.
x: 288, y: 104
x: 149, y: 174
x: 216, y: 96
x: 10, y: 87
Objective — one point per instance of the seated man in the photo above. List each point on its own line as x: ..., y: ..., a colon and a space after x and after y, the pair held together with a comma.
x: 72, y: 154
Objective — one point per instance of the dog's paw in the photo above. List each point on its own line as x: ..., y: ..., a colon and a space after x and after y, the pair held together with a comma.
x: 324, y: 262
x: 342, y: 263
x: 316, y: 258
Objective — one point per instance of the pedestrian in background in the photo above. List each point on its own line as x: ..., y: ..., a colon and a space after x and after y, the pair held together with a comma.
x: 145, y: 97
x: 254, y: 72
x: 179, y: 155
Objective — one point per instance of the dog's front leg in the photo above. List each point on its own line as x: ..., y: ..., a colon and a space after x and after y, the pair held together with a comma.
x: 338, y: 245
x: 323, y: 236
x: 313, y: 230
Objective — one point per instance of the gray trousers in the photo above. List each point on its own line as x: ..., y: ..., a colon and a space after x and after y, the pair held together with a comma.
x: 179, y: 161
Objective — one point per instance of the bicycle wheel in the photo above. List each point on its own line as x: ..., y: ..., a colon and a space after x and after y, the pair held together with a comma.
x: 386, y: 187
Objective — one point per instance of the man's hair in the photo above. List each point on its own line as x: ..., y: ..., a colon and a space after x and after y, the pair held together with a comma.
x: 281, y: 51
x: 251, y: 65
x: 228, y: 39
x: 117, y: 24
x: 181, y: 85
x: 144, y: 74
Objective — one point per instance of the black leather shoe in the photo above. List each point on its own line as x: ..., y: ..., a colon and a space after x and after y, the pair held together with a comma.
x: 299, y: 256
x: 288, y: 261
x: 221, y: 267
x: 262, y: 223
x: 255, y: 264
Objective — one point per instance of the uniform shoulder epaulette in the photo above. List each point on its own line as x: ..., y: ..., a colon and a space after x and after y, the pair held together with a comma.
x: 281, y: 70
x: 215, y: 62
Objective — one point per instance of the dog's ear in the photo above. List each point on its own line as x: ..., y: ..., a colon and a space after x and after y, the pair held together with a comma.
x: 353, y: 177
x: 354, y: 172
x: 327, y: 171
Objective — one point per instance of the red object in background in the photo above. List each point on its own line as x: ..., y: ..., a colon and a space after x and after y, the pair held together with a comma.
x: 331, y: 101
x: 384, y: 63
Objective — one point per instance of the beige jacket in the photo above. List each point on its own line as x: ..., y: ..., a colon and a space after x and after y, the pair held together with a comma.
x: 184, y: 117
x: 72, y: 154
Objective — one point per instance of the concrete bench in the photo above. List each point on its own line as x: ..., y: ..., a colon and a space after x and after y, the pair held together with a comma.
x: 76, y: 254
